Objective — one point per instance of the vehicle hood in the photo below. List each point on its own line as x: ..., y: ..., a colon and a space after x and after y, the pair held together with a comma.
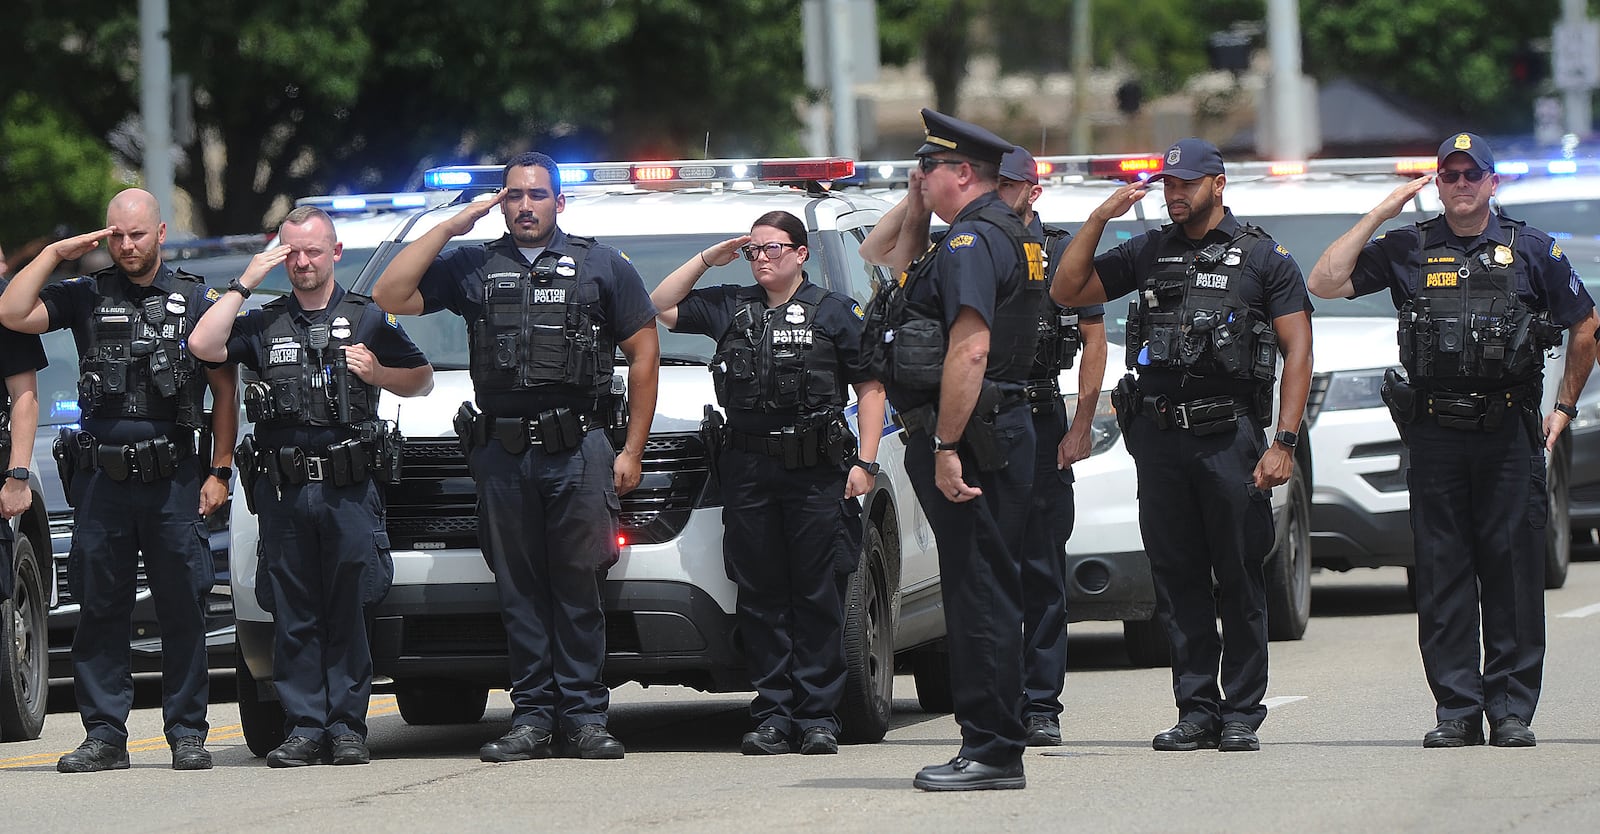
x: 1353, y: 344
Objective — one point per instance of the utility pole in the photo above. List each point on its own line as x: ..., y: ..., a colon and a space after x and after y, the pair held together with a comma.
x: 155, y: 103
x: 1081, y: 136
x: 1285, y: 89
x: 841, y: 81
x: 1575, y: 65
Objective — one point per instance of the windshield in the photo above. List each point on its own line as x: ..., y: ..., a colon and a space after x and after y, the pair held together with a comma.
x: 1562, y: 219
x: 442, y: 336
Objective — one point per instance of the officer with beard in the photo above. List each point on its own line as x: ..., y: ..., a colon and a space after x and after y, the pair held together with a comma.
x: 1481, y: 297
x: 312, y: 470
x: 1215, y: 301
x: 132, y: 473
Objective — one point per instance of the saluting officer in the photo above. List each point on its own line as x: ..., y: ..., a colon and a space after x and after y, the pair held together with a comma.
x: 1215, y: 301
x: 953, y: 341
x: 131, y: 472
x: 21, y: 359
x: 311, y: 472
x: 790, y: 469
x: 1481, y: 297
x: 546, y: 311
x: 1063, y: 331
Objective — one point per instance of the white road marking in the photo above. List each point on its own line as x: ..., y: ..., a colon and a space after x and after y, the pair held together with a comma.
x: 1279, y: 700
x: 1582, y: 612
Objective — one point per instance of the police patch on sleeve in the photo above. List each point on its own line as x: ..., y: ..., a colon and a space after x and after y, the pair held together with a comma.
x: 962, y: 241
x: 1282, y: 252
x: 390, y: 320
x: 859, y: 313
x: 1555, y: 251
x: 212, y: 294
x: 624, y: 256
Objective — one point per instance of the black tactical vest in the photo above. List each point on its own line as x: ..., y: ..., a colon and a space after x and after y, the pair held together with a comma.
x: 541, y: 325
x: 1059, y: 337
x: 137, y: 362
x: 304, y: 370
x: 1467, y: 330
x: 1189, y: 314
x: 778, y: 360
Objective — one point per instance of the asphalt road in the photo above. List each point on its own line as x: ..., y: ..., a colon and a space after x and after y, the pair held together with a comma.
x: 1341, y: 751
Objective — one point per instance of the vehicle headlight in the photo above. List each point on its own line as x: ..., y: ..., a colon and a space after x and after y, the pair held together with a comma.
x: 1103, y: 431
x: 1349, y: 390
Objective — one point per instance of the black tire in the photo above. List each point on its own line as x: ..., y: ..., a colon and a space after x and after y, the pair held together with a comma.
x: 930, y: 668
x: 261, y: 719
x: 432, y: 702
x: 24, y: 649
x: 1146, y: 642
x: 868, y: 649
x: 1289, y: 567
x: 1558, y: 525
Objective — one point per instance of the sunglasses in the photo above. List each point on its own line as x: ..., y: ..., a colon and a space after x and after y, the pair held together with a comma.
x: 773, y: 250
x: 928, y: 163
x: 1472, y: 174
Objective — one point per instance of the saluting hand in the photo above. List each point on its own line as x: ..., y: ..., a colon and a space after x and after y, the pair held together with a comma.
x: 74, y: 248
x: 725, y: 252
x: 465, y: 219
x: 1393, y: 204
x: 263, y: 263
x: 1120, y: 201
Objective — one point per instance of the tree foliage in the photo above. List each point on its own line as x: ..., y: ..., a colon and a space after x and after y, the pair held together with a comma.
x: 294, y: 97
x: 57, y: 176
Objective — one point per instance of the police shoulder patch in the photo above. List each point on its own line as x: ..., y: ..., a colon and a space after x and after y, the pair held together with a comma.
x: 624, y: 256
x: 962, y: 241
x: 1282, y: 252
x: 390, y: 320
x: 212, y: 294
x: 1555, y: 251
x: 859, y: 313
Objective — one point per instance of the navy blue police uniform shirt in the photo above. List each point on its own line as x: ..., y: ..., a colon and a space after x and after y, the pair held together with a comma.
x: 973, y: 261
x: 71, y: 304
x: 454, y: 282
x: 709, y: 311
x: 1273, y: 286
x: 1545, y: 278
x: 380, y: 332
x: 19, y: 352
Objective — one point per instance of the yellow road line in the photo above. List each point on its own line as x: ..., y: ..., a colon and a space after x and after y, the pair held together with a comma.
x: 379, y: 706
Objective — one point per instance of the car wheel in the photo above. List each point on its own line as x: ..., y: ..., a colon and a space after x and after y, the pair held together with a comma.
x: 1558, y: 526
x: 1289, y: 568
x: 24, y: 653
x: 260, y: 718
x: 429, y: 702
x: 1146, y: 642
x: 868, y: 649
x: 930, y: 668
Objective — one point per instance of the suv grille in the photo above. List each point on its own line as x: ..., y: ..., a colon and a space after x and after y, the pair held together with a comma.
x: 141, y: 583
x: 435, y: 504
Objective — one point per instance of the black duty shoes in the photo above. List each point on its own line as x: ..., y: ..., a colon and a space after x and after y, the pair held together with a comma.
x: 524, y: 742
x: 94, y: 755
x: 296, y: 751
x: 1043, y: 731
x: 351, y: 749
x: 818, y: 741
x: 765, y: 741
x: 1238, y: 737
x: 960, y: 774
x: 593, y: 741
x: 1186, y: 735
x: 1455, y: 732
x: 1511, y: 732
x: 189, y: 753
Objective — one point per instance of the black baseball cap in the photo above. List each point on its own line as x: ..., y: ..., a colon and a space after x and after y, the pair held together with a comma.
x: 1019, y: 165
x: 950, y: 134
x: 1190, y: 159
x: 1470, y: 144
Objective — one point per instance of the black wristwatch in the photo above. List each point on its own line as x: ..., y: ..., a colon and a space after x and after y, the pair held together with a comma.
x: 223, y: 472
x: 871, y: 467
x: 241, y: 289
x: 941, y: 446
x: 21, y: 473
x: 1287, y: 438
x: 1570, y: 411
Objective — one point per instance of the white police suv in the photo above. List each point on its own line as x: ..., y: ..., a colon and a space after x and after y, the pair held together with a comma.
x: 437, y: 637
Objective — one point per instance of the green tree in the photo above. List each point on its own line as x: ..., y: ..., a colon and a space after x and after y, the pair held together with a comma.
x: 57, y: 174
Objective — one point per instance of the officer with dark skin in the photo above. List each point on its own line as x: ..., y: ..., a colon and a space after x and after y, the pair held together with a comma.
x: 900, y: 236
x: 21, y: 359
x: 1211, y: 294
x: 790, y: 471
x: 547, y: 477
x: 135, y: 482
x: 953, y: 342
x: 1483, y: 286
x: 314, y: 476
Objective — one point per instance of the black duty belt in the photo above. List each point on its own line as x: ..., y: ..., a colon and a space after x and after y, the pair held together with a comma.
x: 341, y: 464
x: 148, y: 460
x: 1210, y: 415
x: 826, y: 443
x: 1042, y: 395
x: 555, y: 430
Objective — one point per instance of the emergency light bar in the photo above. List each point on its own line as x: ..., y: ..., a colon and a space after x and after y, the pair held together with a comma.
x: 676, y: 172
x: 351, y: 203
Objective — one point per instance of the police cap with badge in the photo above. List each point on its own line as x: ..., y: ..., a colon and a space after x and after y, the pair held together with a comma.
x: 1470, y: 144
x: 1190, y: 159
x: 948, y: 134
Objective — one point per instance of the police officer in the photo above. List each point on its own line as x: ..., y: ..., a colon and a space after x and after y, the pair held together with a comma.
x: 546, y: 311
x: 132, y: 472
x: 1481, y: 297
x: 1216, y: 300
x: 21, y: 359
x: 1063, y: 331
x: 953, y: 341
x: 312, y: 471
x: 789, y: 467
